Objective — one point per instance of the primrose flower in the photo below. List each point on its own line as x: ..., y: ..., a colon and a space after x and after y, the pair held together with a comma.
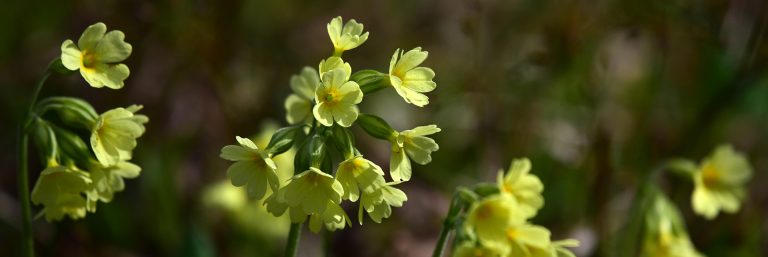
x: 719, y: 182
x: 337, y: 99
x: 411, y: 81
x: 114, y: 136
x: 334, y: 218
x: 346, y: 37
x: 358, y: 174
x: 414, y: 144
x: 333, y: 63
x: 298, y: 106
x: 522, y: 185
x: 109, y: 180
x: 473, y: 250
x: 526, y: 240
x: 665, y: 234
x: 253, y: 168
x: 379, y: 203
x: 312, y: 190
x: 97, y: 55
x: 489, y: 217
x: 278, y: 208
x: 61, y: 190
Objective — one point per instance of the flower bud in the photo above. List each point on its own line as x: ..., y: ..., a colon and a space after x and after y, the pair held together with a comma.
x: 282, y: 139
x: 343, y: 140
x: 72, y: 112
x: 45, y: 141
x: 370, y: 80
x: 72, y: 146
x: 376, y: 127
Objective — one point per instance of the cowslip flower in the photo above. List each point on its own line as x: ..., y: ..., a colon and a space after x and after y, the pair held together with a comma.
x: 358, y: 174
x: 409, y: 80
x: 298, y: 106
x: 334, y: 218
x: 528, y: 240
x: 526, y: 188
x: 109, y: 180
x: 97, y: 55
x: 414, y: 144
x: 61, y: 190
x: 347, y: 36
x: 665, y: 234
x: 337, y: 99
x: 719, y: 182
x: 333, y: 63
x: 312, y: 190
x: 381, y: 202
x: 253, y: 168
x: 278, y: 208
x: 489, y: 218
x: 114, y: 136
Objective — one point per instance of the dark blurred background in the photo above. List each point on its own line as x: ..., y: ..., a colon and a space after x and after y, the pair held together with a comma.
x: 596, y: 93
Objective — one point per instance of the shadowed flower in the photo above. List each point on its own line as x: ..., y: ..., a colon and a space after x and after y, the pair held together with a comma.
x: 378, y: 204
x: 414, y: 144
x: 253, y: 168
x: 333, y: 63
x: 61, y: 190
x: 334, y: 218
x: 347, y: 36
x: 97, y: 55
x: 312, y: 190
x: 109, y: 180
x: 665, y: 234
x: 358, y: 174
x: 298, y: 106
x: 523, y: 186
x: 488, y: 218
x: 114, y: 136
x: 409, y: 80
x: 337, y: 99
x: 719, y: 182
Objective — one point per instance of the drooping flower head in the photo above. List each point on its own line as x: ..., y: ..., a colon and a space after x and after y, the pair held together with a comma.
x: 337, y: 99
x: 97, y: 55
x: 414, y: 144
x: 528, y: 240
x: 719, y: 182
x: 409, y: 80
x: 253, y: 168
x: 114, y: 136
x: 312, y: 190
x: 665, y: 234
x: 346, y: 36
x: 334, y: 218
x: 358, y: 174
x: 378, y: 204
x: 298, y: 106
x: 526, y: 188
x: 489, y: 218
x: 62, y: 191
x: 108, y: 180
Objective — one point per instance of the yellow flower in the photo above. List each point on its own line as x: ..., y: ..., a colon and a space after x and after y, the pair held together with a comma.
x: 312, y: 190
x: 414, y: 144
x: 253, y: 168
x: 346, y: 37
x: 333, y: 63
x: 114, y: 136
x: 473, y: 250
x: 528, y: 240
x: 489, y: 218
x: 559, y: 249
x: 97, y: 55
x: 665, y: 234
x: 378, y: 204
x: 61, y: 190
x: 334, y: 218
x: 411, y: 81
x: 358, y: 174
x: 298, y: 106
x: 107, y: 180
x: 522, y: 185
x: 719, y: 182
x: 337, y: 99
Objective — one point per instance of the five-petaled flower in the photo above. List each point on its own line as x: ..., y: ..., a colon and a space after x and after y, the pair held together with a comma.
x: 253, y: 168
x: 347, y: 36
x: 114, y: 136
x: 719, y: 182
x: 337, y: 99
x: 414, y: 144
x: 409, y: 80
x: 97, y: 55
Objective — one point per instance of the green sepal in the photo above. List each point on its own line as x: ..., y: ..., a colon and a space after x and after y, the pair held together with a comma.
x: 376, y: 127
x: 45, y: 141
x: 72, y: 146
x: 283, y: 139
x: 486, y: 189
x: 343, y: 140
x: 57, y: 66
x: 370, y: 81
x: 302, y: 159
x: 70, y: 111
x: 317, y: 151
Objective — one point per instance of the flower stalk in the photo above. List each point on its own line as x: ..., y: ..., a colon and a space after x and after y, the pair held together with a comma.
x: 292, y: 246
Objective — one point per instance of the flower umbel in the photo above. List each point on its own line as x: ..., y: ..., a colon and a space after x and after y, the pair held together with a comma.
x: 414, y: 144
x: 97, y: 55
x: 114, y: 136
x: 337, y: 99
x: 253, y: 168
x: 409, y: 80
x: 719, y: 182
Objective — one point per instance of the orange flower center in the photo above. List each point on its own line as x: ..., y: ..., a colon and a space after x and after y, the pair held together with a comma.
x: 88, y: 60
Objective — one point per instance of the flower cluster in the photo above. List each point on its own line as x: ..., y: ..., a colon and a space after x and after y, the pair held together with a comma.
x: 80, y: 174
x: 497, y: 221
x: 321, y: 110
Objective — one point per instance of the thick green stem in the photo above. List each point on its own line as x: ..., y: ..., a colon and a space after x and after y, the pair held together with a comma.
x: 28, y: 242
x: 448, y: 224
x: 292, y: 246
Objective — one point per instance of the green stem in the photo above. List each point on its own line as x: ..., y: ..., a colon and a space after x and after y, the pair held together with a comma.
x: 28, y: 243
x: 292, y: 246
x: 448, y: 224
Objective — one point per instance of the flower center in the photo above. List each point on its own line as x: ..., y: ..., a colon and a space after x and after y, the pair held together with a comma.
x: 710, y: 175
x: 484, y: 212
x: 88, y: 60
x: 512, y: 234
x: 332, y: 96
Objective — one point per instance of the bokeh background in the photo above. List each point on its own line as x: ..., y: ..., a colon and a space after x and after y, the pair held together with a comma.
x: 597, y: 93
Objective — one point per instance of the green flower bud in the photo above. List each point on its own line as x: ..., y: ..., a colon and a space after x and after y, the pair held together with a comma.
x: 45, y: 141
x: 317, y: 151
x: 370, y: 80
x: 72, y: 146
x: 343, y: 140
x: 376, y: 127
x: 282, y: 139
x: 72, y: 112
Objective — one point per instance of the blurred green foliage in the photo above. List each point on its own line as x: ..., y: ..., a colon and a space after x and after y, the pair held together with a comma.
x: 596, y: 93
